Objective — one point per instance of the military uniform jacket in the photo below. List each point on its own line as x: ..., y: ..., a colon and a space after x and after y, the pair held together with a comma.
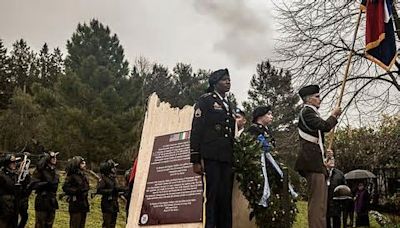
x: 107, y: 187
x: 8, y: 192
x: 46, y: 189
x: 213, y: 130
x: 76, y: 186
x: 258, y: 129
x: 310, y: 158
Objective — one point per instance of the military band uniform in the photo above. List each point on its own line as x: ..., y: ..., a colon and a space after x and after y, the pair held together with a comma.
x: 76, y: 187
x: 46, y: 186
x: 24, y: 192
x: 211, y: 142
x: 8, y: 205
x: 109, y: 190
x: 109, y: 200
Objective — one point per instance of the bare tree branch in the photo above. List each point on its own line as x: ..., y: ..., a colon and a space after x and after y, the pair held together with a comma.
x: 314, y: 45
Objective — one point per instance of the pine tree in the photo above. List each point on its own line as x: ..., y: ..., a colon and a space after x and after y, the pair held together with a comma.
x: 5, y: 82
x: 22, y: 66
x: 189, y: 86
x: 19, y: 123
x: 93, y: 114
x: 160, y: 81
x: 273, y: 87
x: 50, y: 66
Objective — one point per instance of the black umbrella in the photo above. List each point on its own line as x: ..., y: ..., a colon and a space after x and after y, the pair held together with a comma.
x: 359, y: 174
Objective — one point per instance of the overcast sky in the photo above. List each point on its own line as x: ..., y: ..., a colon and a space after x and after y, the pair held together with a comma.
x: 233, y: 34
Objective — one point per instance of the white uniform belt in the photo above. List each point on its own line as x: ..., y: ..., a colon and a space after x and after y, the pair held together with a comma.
x: 308, y: 137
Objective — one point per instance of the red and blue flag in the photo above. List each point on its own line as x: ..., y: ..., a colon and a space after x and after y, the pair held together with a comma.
x: 379, y: 35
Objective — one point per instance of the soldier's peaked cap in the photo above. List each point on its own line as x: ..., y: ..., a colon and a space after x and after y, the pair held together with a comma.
x: 308, y: 90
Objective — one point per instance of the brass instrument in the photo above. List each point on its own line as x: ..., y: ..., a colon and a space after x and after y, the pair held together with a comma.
x: 23, y: 168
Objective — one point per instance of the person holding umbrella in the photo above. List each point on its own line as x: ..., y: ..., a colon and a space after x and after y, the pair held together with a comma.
x: 361, y: 203
x: 361, y: 206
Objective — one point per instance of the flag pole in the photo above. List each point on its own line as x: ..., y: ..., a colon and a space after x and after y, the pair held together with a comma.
x: 346, y: 73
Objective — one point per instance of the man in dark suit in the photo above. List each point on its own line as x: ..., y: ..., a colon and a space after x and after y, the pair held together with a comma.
x: 310, y: 160
x: 335, y: 206
x: 211, y: 149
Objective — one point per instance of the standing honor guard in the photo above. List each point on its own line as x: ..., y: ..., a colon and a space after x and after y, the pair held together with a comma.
x: 76, y: 187
x: 211, y: 150
x: 46, y: 184
x: 107, y: 187
x: 311, y: 157
x: 8, y: 192
x: 262, y: 118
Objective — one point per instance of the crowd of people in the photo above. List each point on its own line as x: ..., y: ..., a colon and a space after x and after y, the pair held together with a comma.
x: 216, y: 124
x: 17, y: 184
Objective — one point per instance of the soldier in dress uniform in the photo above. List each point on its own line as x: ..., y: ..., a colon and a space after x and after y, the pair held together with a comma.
x: 8, y: 192
x: 211, y: 149
x: 107, y: 187
x: 262, y: 117
x: 76, y: 187
x: 310, y: 160
x: 241, y: 121
x: 46, y: 183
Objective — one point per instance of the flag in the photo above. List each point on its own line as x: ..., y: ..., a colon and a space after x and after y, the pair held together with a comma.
x: 179, y: 136
x: 133, y: 172
x: 379, y: 35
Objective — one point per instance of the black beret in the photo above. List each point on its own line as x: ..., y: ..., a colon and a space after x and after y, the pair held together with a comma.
x: 308, y: 90
x: 215, y: 77
x: 260, y: 111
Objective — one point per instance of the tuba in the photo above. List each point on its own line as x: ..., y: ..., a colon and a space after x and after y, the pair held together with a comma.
x: 23, y: 168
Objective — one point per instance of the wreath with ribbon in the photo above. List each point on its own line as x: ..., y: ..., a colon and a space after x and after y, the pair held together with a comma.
x: 248, y: 171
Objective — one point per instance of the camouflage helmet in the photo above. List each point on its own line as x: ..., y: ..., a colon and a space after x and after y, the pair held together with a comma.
x: 342, y: 192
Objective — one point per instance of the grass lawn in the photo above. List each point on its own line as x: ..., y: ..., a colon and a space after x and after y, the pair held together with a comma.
x: 94, y: 217
x: 301, y: 218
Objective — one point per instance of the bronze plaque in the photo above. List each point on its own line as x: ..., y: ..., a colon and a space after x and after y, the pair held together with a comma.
x: 173, y: 191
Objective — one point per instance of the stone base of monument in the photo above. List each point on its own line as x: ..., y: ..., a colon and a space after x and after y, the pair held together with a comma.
x: 240, y: 209
x: 166, y: 192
